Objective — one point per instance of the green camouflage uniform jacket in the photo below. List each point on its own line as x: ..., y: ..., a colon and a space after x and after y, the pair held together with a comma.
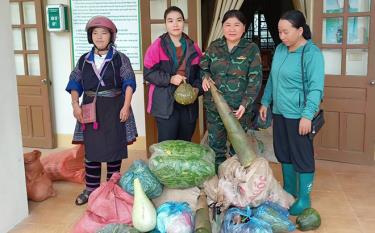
x: 237, y: 74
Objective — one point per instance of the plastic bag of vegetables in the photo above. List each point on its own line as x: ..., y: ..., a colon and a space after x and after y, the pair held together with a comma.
x: 239, y: 186
x: 117, y: 228
x: 174, y: 217
x: 239, y: 221
x: 181, y: 164
x: 150, y: 184
x: 276, y: 216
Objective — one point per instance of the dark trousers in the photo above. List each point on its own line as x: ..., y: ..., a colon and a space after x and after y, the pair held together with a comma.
x: 180, y: 126
x: 93, y: 173
x: 290, y: 147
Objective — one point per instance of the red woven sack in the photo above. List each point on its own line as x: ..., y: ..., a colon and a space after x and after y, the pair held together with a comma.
x: 38, y: 184
x: 107, y: 204
x: 66, y: 165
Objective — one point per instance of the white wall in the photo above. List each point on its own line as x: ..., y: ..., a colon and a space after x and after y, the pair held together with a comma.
x: 59, y: 57
x: 13, y: 198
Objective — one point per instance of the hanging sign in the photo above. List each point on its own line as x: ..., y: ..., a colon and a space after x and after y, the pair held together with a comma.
x: 57, y: 20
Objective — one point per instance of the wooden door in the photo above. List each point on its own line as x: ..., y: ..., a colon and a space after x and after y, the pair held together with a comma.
x: 31, y: 71
x: 345, y: 31
x: 152, y: 12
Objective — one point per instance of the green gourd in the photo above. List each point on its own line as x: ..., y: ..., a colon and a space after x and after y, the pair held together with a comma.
x: 308, y: 220
x: 185, y: 94
x: 144, y: 213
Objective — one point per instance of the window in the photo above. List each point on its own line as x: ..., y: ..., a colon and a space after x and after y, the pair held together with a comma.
x: 258, y: 32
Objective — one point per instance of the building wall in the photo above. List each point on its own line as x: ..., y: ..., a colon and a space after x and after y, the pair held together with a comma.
x: 59, y: 56
x: 13, y: 199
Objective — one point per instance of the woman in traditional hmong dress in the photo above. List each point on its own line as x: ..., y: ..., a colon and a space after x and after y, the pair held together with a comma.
x: 106, y: 75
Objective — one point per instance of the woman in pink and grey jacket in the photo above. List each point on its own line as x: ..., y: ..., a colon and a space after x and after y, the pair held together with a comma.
x: 170, y: 60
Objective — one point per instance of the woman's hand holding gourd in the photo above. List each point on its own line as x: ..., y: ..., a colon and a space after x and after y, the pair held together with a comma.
x: 177, y: 79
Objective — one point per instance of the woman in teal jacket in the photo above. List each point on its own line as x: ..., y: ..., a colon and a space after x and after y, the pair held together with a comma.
x: 292, y: 114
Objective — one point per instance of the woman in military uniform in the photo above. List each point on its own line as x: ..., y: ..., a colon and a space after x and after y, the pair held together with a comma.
x: 233, y: 63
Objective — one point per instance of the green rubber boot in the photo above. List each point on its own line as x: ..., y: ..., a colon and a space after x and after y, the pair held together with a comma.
x: 304, y: 200
x: 289, y: 179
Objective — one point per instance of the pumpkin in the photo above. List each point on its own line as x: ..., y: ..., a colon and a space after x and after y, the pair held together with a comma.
x: 185, y: 94
x: 308, y: 220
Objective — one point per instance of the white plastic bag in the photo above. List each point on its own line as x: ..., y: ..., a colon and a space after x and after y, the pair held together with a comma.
x: 251, y: 186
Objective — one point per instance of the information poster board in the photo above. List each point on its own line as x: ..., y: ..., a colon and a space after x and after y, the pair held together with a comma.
x: 124, y: 13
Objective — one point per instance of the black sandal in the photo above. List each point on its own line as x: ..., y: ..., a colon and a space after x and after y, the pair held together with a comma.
x: 83, y: 198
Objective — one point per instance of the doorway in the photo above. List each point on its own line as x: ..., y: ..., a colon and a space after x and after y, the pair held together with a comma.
x: 31, y: 73
x: 343, y: 29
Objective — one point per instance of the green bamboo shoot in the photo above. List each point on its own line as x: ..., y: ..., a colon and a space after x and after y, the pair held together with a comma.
x: 235, y: 132
x: 202, y: 219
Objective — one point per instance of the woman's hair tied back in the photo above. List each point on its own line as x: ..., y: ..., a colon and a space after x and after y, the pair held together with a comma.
x: 297, y: 19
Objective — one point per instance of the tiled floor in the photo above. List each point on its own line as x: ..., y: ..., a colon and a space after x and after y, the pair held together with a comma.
x: 344, y: 194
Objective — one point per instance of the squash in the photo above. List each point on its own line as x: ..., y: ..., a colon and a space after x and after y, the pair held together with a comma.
x: 185, y: 94
x: 308, y: 220
x: 144, y: 213
x: 236, y: 134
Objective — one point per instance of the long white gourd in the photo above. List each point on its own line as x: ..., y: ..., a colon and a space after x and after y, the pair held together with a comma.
x: 144, y: 213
